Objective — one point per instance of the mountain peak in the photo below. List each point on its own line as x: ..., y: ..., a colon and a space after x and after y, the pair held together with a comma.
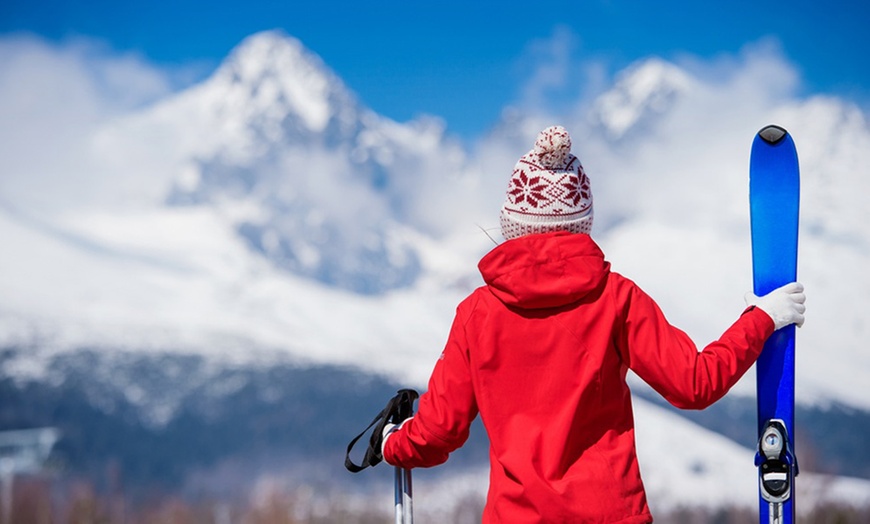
x: 645, y: 89
x: 281, y: 144
x: 269, y: 52
x: 272, y: 73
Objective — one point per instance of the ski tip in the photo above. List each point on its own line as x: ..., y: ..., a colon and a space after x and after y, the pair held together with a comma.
x: 772, y: 134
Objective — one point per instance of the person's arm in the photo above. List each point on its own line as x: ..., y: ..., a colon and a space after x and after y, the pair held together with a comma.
x: 445, y: 411
x: 667, y: 359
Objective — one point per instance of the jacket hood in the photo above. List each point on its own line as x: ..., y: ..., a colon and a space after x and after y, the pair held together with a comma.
x: 544, y: 270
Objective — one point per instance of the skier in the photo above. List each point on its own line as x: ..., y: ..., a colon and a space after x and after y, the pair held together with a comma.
x: 542, y: 350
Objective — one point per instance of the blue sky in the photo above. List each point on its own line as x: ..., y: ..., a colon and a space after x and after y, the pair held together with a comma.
x: 465, y: 61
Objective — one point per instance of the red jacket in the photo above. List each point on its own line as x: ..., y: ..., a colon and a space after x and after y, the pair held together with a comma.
x: 542, y: 352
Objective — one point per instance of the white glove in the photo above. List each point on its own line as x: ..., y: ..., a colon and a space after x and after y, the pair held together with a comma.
x: 389, y: 429
x: 784, y: 305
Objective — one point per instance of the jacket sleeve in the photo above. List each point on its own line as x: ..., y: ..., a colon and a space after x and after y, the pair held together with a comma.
x: 445, y: 411
x: 667, y: 359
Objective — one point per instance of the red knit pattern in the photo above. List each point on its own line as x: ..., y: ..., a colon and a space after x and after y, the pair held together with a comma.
x: 548, y: 189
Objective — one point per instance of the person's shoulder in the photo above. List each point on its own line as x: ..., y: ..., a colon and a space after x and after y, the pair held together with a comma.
x: 475, y: 297
x: 621, y: 288
x: 617, y: 278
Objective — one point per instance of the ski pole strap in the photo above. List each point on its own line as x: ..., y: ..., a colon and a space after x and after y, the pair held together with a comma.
x: 397, y: 409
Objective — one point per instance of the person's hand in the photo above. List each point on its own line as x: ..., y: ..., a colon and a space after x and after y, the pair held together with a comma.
x: 784, y: 305
x: 388, y: 430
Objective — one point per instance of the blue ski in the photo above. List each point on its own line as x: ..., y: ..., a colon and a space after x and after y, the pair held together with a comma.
x: 774, y: 197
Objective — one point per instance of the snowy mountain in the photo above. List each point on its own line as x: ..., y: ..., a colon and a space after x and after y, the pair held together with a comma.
x: 315, y: 183
x: 266, y: 217
x: 641, y: 93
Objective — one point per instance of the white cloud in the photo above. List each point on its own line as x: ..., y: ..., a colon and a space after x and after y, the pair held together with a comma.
x: 52, y: 100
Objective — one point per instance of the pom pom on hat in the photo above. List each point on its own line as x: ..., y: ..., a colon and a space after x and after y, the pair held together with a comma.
x: 553, y: 147
x: 548, y: 190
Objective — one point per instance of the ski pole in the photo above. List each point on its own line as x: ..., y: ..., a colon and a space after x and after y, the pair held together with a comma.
x: 398, y: 409
x: 404, y: 496
x: 403, y: 488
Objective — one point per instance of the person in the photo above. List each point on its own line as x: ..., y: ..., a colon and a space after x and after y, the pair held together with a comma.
x: 541, y: 353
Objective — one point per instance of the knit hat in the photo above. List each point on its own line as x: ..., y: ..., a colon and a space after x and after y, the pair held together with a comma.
x: 548, y: 190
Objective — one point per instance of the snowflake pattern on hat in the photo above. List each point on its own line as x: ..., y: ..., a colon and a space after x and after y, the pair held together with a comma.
x: 541, y: 191
x: 548, y: 190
